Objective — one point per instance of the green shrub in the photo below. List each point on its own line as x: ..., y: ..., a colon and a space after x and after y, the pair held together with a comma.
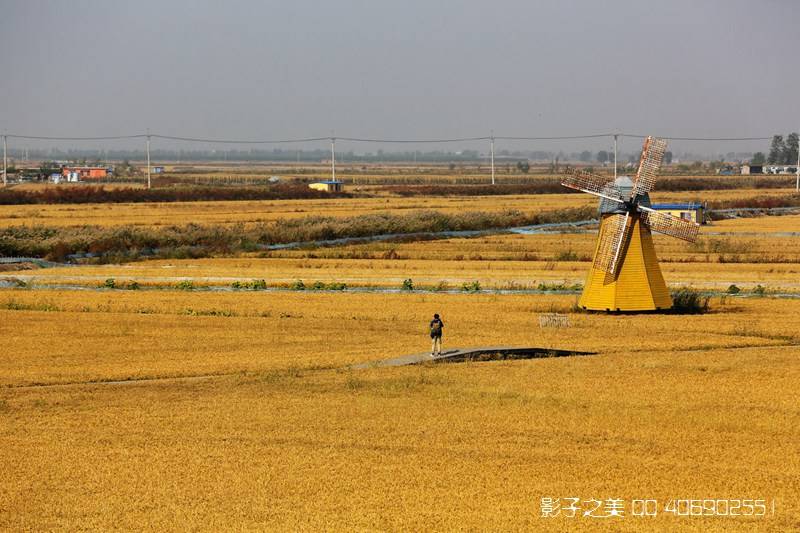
x: 408, y: 285
x: 110, y: 283
x: 185, y: 285
x: 298, y: 285
x: 13, y: 305
x: 568, y: 255
x: 440, y: 287
x: 759, y: 290
x: 133, y: 286
x: 336, y: 286
x: 255, y: 285
x: 733, y: 289
x: 689, y: 301
x: 258, y: 285
x: 471, y: 286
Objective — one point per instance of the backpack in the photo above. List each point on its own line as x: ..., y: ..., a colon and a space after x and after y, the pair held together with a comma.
x: 436, y: 328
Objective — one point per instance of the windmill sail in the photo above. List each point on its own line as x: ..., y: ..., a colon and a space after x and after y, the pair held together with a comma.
x: 615, y: 232
x: 669, y: 225
x: 602, y: 186
x: 649, y: 165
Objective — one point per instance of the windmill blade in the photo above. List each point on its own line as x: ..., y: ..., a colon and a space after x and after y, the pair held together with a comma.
x: 669, y: 225
x: 580, y: 180
x: 649, y: 165
x: 615, y: 231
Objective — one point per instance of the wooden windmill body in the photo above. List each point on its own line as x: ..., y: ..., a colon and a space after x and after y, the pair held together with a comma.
x: 625, y: 275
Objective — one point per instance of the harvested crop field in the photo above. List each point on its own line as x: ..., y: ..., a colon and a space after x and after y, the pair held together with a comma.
x: 183, y: 410
x: 232, y: 212
x: 746, y: 252
x: 218, y: 391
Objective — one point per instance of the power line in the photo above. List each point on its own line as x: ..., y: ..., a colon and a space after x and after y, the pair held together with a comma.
x: 104, y: 138
x: 376, y: 140
x: 230, y: 141
x: 631, y: 135
x: 420, y: 141
x: 555, y: 138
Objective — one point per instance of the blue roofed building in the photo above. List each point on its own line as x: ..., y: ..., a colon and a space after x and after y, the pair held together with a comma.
x: 688, y: 211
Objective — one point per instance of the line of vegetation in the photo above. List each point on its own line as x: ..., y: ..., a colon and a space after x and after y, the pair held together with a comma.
x: 299, y: 285
x: 559, y: 286
x: 111, y: 283
x: 757, y: 202
x: 553, y: 186
x: 255, y: 285
x: 125, y: 243
x: 87, y: 194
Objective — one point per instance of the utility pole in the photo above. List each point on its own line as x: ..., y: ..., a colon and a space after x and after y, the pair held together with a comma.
x: 5, y: 160
x: 797, y: 182
x: 333, y: 158
x: 615, y: 155
x: 491, y: 146
x: 148, y: 159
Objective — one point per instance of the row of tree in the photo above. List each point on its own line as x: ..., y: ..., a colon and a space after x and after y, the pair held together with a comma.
x: 604, y: 157
x: 781, y: 152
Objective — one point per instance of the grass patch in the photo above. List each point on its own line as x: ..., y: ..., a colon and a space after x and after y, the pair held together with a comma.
x: 13, y: 305
x: 562, y: 286
x: 471, y: 286
x: 208, y: 312
x: 689, y: 301
x: 255, y: 285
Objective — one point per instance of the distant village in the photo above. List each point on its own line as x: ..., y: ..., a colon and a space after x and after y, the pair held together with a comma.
x: 69, y: 172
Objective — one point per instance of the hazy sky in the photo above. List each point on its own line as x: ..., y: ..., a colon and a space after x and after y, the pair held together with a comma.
x: 412, y: 68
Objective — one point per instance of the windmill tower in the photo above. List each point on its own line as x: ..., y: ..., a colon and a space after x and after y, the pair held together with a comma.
x: 625, y: 275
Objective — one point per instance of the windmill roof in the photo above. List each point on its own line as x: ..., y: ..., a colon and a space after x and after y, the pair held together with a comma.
x: 623, y: 181
x: 624, y: 185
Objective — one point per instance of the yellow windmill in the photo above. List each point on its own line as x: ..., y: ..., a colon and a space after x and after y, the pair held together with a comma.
x: 625, y: 275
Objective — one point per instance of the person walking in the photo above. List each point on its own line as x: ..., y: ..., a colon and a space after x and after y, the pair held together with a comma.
x: 436, y: 335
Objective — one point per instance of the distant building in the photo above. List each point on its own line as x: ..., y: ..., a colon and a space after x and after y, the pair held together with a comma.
x: 780, y: 169
x: 158, y: 170
x: 748, y: 169
x: 82, y: 173
x: 694, y: 212
x: 328, y: 186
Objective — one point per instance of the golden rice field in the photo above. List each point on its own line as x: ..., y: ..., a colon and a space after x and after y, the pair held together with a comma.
x: 177, y: 410
x: 232, y: 212
x: 223, y: 212
x: 746, y: 252
x: 209, y: 410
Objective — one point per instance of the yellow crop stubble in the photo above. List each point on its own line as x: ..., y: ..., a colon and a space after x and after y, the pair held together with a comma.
x: 289, y: 438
